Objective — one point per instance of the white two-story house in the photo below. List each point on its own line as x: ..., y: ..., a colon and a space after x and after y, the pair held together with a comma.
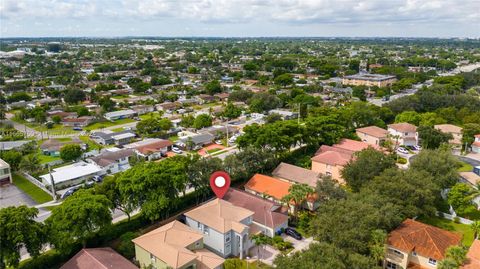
x: 226, y: 228
x: 403, y: 134
x: 476, y: 144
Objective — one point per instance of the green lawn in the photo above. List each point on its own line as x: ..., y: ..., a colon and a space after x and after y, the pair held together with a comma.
x: 100, y: 125
x: 91, y: 144
x: 464, y: 229
x: 465, y: 167
x: 149, y: 115
x: 210, y: 151
x: 37, y: 194
x: 173, y: 138
x: 45, y: 158
x: 118, y: 129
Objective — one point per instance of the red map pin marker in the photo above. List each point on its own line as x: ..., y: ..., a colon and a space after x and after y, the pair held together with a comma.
x: 220, y: 182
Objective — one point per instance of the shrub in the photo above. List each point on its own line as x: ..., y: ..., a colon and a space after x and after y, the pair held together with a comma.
x: 126, y: 247
x: 402, y: 160
x: 456, y: 220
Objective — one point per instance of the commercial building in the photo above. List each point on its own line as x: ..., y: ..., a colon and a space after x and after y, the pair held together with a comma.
x: 369, y: 80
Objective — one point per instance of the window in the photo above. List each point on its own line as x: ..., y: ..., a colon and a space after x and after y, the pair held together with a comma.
x: 198, y: 244
x: 432, y: 261
x: 329, y: 174
x: 397, y: 252
x: 153, y: 258
x: 206, y: 230
x: 199, y: 225
x: 391, y: 265
x: 414, y: 253
x: 227, y: 238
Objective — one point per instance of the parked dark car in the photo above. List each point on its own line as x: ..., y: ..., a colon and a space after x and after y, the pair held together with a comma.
x: 293, y: 233
x: 98, y: 179
x: 70, y: 192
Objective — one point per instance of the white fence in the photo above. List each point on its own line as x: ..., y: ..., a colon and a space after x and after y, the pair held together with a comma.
x: 37, y: 183
x: 453, y: 217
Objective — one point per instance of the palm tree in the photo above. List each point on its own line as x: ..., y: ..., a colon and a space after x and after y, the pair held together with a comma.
x: 30, y: 163
x: 475, y: 226
x: 297, y: 193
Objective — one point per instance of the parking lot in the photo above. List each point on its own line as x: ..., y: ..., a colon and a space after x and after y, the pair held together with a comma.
x: 10, y: 195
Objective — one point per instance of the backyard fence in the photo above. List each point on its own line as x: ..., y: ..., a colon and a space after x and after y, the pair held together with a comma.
x: 454, y: 217
x: 37, y: 183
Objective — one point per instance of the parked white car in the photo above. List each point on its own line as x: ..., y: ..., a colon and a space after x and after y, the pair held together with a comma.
x: 176, y: 150
x: 402, y: 150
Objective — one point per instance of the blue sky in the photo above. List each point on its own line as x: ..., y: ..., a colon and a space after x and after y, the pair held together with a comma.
x: 240, y: 18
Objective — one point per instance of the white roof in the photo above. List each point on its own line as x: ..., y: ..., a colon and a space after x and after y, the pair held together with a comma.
x: 70, y: 172
x: 3, y: 164
x: 119, y: 113
x: 122, y: 136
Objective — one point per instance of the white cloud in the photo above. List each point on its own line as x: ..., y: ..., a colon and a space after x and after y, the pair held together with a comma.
x: 291, y: 13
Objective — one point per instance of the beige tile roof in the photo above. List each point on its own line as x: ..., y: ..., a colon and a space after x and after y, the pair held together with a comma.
x: 373, y: 131
x: 403, y: 127
x: 473, y: 256
x: 448, y: 128
x: 98, y: 258
x: 296, y: 174
x: 220, y: 215
x: 169, y: 242
x: 207, y: 259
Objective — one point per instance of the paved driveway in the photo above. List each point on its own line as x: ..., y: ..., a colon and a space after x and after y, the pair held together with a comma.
x: 10, y: 195
x: 298, y: 245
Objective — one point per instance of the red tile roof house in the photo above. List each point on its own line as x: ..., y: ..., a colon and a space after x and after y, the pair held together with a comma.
x: 330, y: 160
x: 417, y: 245
x: 269, y: 216
x: 275, y: 190
x: 98, y: 258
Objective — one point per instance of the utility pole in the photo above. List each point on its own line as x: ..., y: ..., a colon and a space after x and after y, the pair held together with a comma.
x: 52, y: 184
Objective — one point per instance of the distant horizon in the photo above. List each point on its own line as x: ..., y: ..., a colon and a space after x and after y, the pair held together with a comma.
x: 159, y: 37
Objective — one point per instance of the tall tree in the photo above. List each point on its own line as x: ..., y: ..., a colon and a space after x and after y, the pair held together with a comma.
x: 367, y: 164
x: 432, y: 138
x: 30, y: 163
x: 78, y: 218
x: 70, y: 152
x: 110, y: 189
x: 297, y: 193
x: 440, y: 163
x: 18, y: 229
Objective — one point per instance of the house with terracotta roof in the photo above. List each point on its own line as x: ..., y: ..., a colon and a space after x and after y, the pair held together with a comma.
x: 330, y: 160
x: 270, y: 217
x: 98, y: 258
x: 295, y: 174
x: 454, y: 130
x: 268, y: 187
x: 226, y: 228
x: 417, y: 245
x: 403, y: 134
x: 275, y: 189
x: 372, y: 135
x: 476, y: 144
x: 150, y: 149
x: 473, y: 256
x: 175, y: 245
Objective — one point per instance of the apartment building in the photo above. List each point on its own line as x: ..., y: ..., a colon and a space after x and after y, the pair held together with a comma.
x: 369, y: 80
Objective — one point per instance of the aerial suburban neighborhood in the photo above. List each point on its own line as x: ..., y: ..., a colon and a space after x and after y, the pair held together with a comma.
x: 334, y: 153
